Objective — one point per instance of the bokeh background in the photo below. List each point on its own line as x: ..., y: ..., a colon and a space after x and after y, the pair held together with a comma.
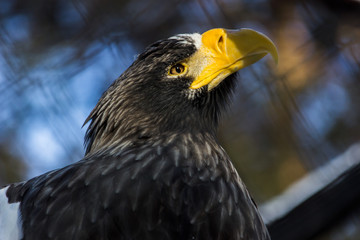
x: 58, y: 56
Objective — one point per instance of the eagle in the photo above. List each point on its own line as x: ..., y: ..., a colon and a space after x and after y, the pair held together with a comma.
x: 153, y: 167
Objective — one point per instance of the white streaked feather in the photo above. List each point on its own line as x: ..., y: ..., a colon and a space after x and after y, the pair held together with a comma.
x: 195, y: 36
x: 10, y: 220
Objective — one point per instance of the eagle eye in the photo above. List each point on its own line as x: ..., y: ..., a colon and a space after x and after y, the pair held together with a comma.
x: 177, y: 69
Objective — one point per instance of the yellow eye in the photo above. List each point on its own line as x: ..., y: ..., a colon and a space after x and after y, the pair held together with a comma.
x: 177, y: 69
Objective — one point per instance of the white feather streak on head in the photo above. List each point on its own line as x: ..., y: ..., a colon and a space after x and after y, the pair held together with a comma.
x: 196, y: 37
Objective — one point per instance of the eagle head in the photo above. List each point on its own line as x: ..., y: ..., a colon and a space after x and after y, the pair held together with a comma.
x: 179, y: 84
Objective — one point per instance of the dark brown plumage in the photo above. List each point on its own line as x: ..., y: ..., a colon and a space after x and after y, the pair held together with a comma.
x: 153, y: 167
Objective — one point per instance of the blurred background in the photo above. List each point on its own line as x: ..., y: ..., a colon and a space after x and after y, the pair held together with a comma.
x: 58, y: 56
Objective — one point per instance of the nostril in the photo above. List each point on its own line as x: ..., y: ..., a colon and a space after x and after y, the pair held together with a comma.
x: 221, y: 43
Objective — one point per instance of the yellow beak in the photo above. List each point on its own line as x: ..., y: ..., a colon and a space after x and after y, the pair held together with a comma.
x: 224, y: 52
